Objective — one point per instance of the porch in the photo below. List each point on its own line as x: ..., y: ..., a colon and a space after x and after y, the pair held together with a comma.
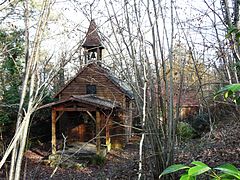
x: 79, y: 130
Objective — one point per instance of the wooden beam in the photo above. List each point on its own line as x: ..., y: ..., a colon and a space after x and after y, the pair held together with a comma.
x: 54, y: 139
x: 108, y: 143
x: 73, y: 109
x: 98, y: 121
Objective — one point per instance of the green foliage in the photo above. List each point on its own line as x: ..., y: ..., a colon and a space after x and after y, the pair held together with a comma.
x: 230, y: 92
x: 233, y: 30
x: 185, y: 131
x: 98, y: 160
x: 11, y: 41
x: 174, y: 168
x: 4, y: 118
x: 229, y: 170
x: 11, y: 71
x: 223, y: 172
x: 198, y: 169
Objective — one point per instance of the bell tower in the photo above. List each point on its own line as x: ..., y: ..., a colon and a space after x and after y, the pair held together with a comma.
x: 92, y: 44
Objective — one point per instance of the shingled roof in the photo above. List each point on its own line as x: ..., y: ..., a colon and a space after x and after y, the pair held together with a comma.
x: 92, y: 38
x: 86, y: 99
x: 123, y: 87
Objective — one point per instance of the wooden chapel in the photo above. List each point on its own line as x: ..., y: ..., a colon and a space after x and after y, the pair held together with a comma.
x: 94, y: 106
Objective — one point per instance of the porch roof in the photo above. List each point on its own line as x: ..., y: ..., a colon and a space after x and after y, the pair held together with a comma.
x: 91, y: 100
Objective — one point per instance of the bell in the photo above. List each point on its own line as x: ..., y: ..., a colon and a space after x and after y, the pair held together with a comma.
x: 93, y: 56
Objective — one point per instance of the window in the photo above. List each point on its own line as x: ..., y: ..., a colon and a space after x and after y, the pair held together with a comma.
x: 91, y: 89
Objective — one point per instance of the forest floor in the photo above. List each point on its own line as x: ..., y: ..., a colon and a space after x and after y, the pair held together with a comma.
x: 219, y: 147
x: 119, y: 164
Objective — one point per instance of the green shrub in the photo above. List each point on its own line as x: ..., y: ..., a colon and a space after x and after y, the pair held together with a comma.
x: 185, y: 131
x: 98, y: 160
x: 223, y: 172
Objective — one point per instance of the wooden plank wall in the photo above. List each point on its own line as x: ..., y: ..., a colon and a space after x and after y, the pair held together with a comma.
x: 106, y: 89
x: 92, y: 75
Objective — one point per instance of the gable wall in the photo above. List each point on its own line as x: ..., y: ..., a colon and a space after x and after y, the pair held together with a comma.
x: 93, y: 75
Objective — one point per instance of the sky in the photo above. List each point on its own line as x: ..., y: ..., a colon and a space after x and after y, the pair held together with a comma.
x: 69, y: 20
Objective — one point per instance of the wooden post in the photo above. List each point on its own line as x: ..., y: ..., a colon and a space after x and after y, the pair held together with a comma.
x: 124, y: 120
x: 98, y: 54
x: 85, y: 56
x: 98, y: 121
x: 54, y: 139
x: 108, y: 143
x: 130, y: 120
